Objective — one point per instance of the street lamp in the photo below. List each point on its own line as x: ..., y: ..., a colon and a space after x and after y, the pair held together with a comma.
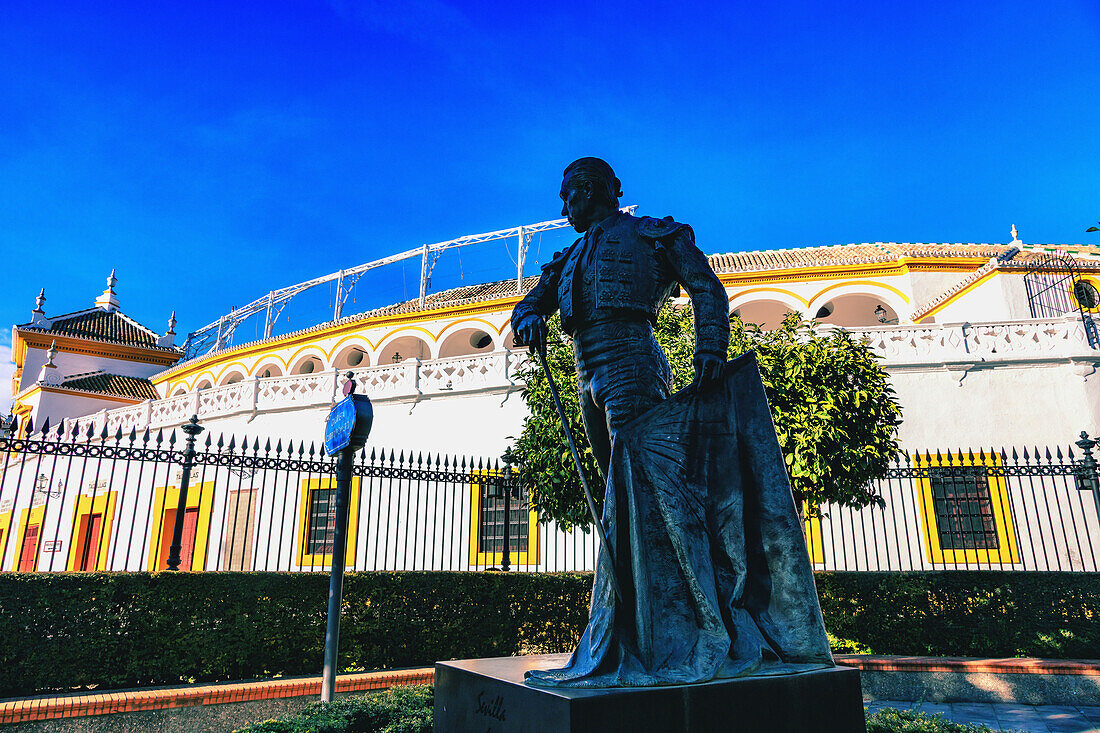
x: 882, y: 316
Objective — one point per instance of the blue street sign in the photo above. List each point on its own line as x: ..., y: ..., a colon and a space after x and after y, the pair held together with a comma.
x: 339, y: 426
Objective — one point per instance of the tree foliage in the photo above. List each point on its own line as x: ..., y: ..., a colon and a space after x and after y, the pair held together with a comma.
x: 834, y: 411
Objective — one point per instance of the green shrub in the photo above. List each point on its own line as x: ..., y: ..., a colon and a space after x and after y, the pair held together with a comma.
x: 396, y: 710
x: 965, y: 613
x: 889, y: 720
x: 111, y: 630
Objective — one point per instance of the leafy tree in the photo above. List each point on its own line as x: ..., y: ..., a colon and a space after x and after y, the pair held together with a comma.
x: 835, y: 413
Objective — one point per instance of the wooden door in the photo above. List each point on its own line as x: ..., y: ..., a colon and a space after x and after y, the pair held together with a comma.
x: 29, y: 552
x: 89, y: 540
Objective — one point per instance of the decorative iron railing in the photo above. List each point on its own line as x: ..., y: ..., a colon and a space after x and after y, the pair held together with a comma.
x: 82, y: 500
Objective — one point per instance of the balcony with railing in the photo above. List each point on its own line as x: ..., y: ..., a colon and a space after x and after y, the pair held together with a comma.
x: 901, y: 346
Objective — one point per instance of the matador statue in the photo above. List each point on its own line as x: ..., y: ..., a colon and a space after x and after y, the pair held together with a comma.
x: 698, y: 511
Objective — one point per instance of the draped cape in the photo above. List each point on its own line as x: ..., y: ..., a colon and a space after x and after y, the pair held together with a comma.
x: 708, y: 547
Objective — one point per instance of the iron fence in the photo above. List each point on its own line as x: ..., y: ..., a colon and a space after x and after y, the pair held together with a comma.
x: 77, y: 501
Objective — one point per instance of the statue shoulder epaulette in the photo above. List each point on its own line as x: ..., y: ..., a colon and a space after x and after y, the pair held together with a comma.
x: 559, y: 258
x: 653, y: 228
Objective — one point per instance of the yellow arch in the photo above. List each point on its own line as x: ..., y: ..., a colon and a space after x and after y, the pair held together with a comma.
x: 270, y: 357
x: 794, y: 295
x: 317, y: 351
x: 336, y: 347
x: 456, y: 325
x: 229, y: 366
x: 871, y: 283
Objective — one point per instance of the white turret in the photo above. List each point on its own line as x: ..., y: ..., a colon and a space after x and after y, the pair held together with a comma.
x: 108, y: 301
x: 169, y: 338
x: 49, y: 373
x: 38, y: 315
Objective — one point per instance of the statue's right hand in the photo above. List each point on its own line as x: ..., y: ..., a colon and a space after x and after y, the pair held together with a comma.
x: 532, y: 334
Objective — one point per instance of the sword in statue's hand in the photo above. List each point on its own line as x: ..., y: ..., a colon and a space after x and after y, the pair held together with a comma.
x: 541, y: 347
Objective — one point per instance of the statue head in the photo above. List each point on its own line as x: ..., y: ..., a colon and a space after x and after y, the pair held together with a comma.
x: 589, y: 191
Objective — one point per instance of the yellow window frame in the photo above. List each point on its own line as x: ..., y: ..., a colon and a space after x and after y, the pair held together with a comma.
x: 199, y: 496
x: 319, y: 559
x: 811, y: 529
x: 530, y: 557
x: 1006, y: 550
x: 1073, y: 293
x: 27, y: 517
x: 5, y: 525
x: 85, y: 506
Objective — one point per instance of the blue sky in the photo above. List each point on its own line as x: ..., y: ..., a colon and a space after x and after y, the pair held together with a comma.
x: 213, y: 151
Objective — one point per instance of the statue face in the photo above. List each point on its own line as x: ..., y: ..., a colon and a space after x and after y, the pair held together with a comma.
x: 578, y: 205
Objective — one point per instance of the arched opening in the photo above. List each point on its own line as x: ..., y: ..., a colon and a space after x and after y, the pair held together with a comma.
x: 857, y: 310
x: 180, y: 390
x: 402, y: 348
x: 204, y: 384
x: 307, y: 365
x: 352, y: 356
x: 768, y: 314
x: 269, y: 370
x: 232, y: 377
x: 466, y: 341
x: 509, y: 339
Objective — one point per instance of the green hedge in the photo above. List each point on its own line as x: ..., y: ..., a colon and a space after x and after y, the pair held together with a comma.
x: 120, y: 630
x: 965, y: 613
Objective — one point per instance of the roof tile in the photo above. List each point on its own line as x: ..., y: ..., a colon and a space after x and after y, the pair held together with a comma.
x: 118, y: 385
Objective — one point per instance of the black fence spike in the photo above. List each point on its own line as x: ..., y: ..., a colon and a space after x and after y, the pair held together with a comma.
x: 279, y: 446
x: 1049, y: 458
x: 1058, y: 452
x: 209, y: 438
x: 118, y: 433
x: 133, y: 434
x: 420, y: 459
x: 301, y: 450
x: 145, y: 437
x: 232, y: 443
x: 89, y: 433
x: 221, y: 441
x: 46, y: 425
x: 1069, y: 453
x: 1026, y: 456
x: 30, y: 424
x: 256, y: 446
x: 103, y: 433
x: 172, y: 438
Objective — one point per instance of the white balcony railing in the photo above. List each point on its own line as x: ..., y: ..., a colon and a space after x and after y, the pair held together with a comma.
x: 905, y: 346
x: 410, y: 379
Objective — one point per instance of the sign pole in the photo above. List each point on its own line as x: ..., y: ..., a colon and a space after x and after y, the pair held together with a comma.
x: 346, y: 430
x: 336, y: 578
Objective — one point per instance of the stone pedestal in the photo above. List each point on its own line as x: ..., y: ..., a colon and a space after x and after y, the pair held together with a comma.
x: 489, y: 696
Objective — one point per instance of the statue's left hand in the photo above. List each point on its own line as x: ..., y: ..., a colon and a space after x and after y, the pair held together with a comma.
x: 708, y: 368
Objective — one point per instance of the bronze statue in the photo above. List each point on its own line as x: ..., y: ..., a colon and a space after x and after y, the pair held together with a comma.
x: 698, y: 513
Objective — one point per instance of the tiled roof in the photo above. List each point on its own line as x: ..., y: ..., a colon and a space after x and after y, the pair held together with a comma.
x: 117, y: 385
x: 102, y: 325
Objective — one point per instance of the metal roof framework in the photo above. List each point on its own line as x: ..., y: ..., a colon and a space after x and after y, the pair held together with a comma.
x: 219, y: 334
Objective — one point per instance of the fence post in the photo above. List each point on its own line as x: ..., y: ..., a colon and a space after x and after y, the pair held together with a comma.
x: 1088, y: 477
x: 192, y: 429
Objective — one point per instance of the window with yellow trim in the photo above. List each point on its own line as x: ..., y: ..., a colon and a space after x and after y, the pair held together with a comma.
x: 93, y: 517
x: 965, y: 510
x: 317, y: 522
x: 194, y: 544
x: 28, y: 539
x: 1085, y: 294
x: 487, y: 519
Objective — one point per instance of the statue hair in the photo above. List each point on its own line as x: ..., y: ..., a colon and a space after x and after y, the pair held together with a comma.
x: 605, y: 186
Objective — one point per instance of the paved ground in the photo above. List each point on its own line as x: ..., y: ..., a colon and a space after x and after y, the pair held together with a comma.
x: 1008, y: 716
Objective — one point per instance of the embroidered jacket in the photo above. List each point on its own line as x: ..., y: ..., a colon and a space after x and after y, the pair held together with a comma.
x: 625, y: 268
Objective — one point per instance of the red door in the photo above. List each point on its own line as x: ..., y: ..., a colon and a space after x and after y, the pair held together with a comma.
x: 30, y: 549
x: 187, y: 543
x: 89, y: 542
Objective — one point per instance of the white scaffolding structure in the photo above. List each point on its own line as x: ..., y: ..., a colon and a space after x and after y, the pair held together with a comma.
x: 219, y: 334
